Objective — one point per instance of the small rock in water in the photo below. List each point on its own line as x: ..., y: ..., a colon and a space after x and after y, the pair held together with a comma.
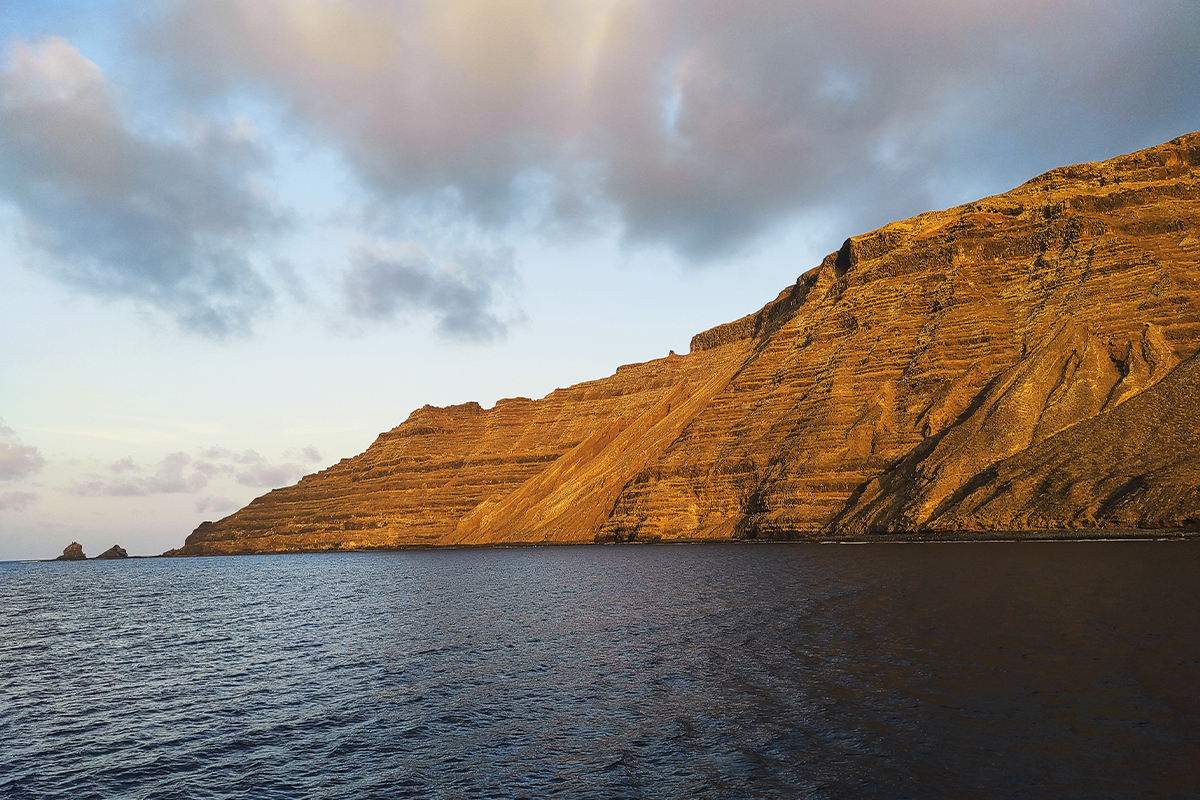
x: 72, y: 552
x: 116, y: 551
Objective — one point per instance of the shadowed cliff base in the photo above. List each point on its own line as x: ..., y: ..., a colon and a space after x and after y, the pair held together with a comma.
x: 1019, y: 367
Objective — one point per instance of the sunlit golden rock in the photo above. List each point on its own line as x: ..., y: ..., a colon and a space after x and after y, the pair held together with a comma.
x: 1025, y: 362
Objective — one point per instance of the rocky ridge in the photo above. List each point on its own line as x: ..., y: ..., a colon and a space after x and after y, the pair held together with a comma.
x: 1027, y: 362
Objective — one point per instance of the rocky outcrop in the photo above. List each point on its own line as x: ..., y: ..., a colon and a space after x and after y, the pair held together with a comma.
x: 72, y: 552
x: 114, y: 552
x: 1024, y: 362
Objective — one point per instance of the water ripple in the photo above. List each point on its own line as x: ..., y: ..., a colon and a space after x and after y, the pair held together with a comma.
x: 1049, y: 670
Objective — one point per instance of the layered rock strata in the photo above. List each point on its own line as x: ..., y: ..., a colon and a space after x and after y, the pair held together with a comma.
x: 1025, y: 362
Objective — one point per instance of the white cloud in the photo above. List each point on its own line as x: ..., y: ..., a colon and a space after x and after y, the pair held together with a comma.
x: 216, y: 504
x: 257, y: 472
x: 169, y: 478
x: 309, y: 454
x: 17, y: 460
x: 180, y: 473
x: 16, y: 501
x: 121, y: 465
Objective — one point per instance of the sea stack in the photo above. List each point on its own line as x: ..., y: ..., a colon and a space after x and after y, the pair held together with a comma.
x: 114, y: 552
x: 72, y: 552
x: 1024, y: 365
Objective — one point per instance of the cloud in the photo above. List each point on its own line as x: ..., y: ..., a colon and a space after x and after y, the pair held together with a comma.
x: 166, y: 223
x: 216, y: 503
x: 179, y: 473
x: 694, y: 125
x: 308, y: 453
x: 17, y: 460
x: 209, y: 462
x: 698, y: 124
x: 381, y: 283
x: 168, y: 478
x: 257, y: 472
x: 122, y: 465
x: 16, y: 501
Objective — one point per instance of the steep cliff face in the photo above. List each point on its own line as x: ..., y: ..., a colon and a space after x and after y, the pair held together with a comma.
x: 523, y: 471
x: 1023, y: 362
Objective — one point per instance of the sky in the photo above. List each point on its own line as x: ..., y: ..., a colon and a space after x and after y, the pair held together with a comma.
x: 241, y: 238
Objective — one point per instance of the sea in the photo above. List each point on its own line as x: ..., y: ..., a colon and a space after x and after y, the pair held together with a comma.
x: 964, y: 670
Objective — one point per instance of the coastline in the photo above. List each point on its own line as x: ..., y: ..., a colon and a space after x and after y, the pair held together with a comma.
x: 924, y: 537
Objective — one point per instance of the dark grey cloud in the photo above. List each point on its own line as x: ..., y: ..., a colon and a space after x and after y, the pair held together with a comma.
x: 17, y: 460
x: 877, y: 110
x: 381, y: 284
x: 700, y: 123
x: 164, y: 222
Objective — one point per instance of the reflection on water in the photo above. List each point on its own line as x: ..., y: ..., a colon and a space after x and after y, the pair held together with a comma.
x: 951, y: 670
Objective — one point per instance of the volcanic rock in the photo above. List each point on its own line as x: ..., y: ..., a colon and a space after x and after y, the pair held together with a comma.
x: 116, y: 551
x: 72, y: 552
x: 1026, y: 362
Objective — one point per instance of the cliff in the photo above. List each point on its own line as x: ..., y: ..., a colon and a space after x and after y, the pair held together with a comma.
x: 1025, y: 362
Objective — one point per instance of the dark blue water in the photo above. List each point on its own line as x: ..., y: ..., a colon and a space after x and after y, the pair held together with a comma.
x: 959, y: 671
